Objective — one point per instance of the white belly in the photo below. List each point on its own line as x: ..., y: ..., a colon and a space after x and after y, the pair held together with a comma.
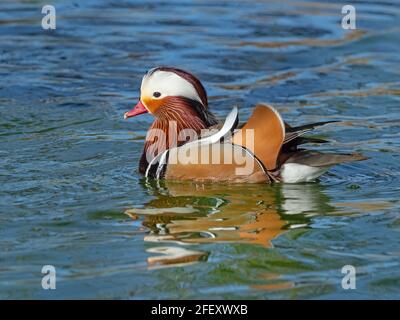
x: 295, y: 173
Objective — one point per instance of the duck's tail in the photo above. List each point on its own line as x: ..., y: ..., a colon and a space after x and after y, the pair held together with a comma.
x: 318, y: 159
x: 306, y: 166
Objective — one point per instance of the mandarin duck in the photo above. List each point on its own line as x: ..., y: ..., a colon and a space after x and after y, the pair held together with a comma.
x: 186, y: 141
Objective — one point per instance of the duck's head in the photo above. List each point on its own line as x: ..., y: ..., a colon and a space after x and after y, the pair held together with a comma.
x: 167, y: 89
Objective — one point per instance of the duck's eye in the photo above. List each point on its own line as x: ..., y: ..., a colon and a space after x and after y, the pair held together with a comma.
x: 156, y: 94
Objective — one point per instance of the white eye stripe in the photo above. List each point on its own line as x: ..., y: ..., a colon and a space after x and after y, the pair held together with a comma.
x: 168, y: 84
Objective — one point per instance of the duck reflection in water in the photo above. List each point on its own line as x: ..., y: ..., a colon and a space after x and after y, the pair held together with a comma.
x: 185, y: 214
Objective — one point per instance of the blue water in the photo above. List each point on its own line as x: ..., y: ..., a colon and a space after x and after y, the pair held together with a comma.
x: 70, y: 193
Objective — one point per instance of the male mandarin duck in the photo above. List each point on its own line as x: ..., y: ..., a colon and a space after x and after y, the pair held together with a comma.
x: 265, y: 149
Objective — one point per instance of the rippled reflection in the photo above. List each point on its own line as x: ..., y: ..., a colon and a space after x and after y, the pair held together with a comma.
x: 186, y: 214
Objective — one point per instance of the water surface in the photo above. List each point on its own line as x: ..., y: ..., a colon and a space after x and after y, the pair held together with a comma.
x: 70, y: 193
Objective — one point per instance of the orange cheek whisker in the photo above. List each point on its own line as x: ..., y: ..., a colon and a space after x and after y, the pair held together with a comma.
x: 153, y: 105
x: 172, y: 109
